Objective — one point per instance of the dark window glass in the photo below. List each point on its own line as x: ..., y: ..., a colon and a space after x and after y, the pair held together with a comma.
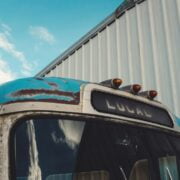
x: 58, y: 149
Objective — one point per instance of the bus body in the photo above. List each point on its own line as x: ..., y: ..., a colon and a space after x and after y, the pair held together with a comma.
x: 63, y: 129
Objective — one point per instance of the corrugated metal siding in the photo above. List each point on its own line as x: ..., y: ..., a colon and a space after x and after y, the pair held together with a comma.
x: 141, y: 46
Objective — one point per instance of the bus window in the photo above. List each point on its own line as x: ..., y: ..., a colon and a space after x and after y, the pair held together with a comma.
x: 140, y: 170
x: 58, y: 149
x: 168, y: 168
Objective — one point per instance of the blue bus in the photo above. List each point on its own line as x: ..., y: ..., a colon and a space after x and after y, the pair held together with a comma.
x: 64, y: 129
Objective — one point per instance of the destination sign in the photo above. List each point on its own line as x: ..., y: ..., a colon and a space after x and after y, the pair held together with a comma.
x: 124, y: 106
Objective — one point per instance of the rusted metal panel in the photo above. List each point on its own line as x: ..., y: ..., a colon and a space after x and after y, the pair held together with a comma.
x: 139, y: 42
x: 60, y: 90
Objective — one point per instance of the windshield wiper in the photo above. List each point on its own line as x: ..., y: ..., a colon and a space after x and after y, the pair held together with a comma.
x: 169, y: 173
x: 123, y: 173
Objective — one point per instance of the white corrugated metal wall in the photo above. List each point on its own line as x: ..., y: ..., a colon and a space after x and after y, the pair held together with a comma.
x: 141, y: 46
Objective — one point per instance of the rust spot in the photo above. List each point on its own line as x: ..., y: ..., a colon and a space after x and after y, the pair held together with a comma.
x: 53, y: 84
x: 32, y: 92
x: 39, y: 78
x: 73, y: 102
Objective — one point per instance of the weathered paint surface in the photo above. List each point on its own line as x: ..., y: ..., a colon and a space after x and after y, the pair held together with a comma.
x: 178, y: 121
x: 52, y: 89
x: 5, y: 126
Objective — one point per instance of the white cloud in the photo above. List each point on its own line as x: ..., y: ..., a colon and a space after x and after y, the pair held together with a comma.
x: 9, y: 47
x: 5, y: 72
x: 5, y: 29
x: 42, y: 33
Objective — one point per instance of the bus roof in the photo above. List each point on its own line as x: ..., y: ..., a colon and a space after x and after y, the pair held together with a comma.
x: 60, y: 94
x: 49, y: 89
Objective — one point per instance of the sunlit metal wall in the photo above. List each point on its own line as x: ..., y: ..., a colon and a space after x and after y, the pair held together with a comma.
x: 142, y: 45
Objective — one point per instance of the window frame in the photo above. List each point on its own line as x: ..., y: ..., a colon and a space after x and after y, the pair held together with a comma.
x: 78, y: 117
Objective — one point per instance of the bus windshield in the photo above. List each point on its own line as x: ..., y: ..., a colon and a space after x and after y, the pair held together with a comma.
x: 64, y: 149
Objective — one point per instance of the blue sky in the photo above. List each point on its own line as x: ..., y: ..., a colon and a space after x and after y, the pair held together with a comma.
x: 35, y: 32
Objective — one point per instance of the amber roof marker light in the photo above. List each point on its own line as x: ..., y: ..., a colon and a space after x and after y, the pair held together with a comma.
x: 134, y: 88
x: 151, y: 94
x: 113, y: 83
x: 116, y: 83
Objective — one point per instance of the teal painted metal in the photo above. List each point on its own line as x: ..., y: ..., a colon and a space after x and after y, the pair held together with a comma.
x: 50, y: 89
x: 177, y: 121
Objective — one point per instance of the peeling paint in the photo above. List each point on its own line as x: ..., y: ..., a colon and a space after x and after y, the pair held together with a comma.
x: 32, y: 92
x: 53, y: 84
x: 60, y: 90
